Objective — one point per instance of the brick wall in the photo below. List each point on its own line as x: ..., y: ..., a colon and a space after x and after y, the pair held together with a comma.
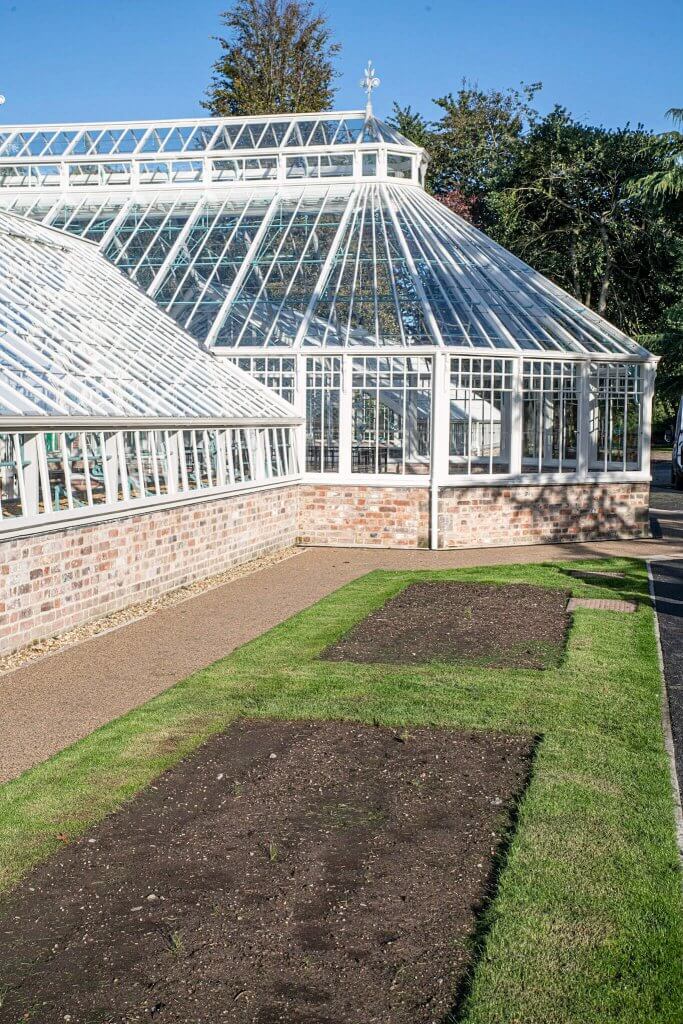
x: 396, y: 517
x: 471, y: 516
x: 52, y: 582
x: 490, y: 516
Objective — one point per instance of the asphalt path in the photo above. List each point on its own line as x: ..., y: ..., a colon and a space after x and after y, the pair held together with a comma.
x: 667, y: 579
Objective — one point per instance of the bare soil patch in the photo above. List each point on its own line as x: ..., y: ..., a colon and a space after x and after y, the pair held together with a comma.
x: 318, y: 872
x: 515, y: 626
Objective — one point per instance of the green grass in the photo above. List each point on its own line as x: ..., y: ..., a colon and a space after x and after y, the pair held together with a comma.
x: 587, y: 924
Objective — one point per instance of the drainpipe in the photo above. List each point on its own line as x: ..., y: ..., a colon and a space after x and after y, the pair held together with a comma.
x: 440, y: 415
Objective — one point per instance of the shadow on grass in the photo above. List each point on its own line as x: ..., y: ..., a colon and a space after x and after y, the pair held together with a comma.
x: 624, y: 588
x: 485, y: 911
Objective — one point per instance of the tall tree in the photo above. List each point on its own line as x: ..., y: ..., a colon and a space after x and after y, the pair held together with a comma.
x: 668, y: 343
x: 474, y: 143
x: 278, y: 58
x: 568, y: 209
x: 667, y: 181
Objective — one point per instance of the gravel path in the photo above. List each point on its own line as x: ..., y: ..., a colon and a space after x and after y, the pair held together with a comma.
x: 49, y: 704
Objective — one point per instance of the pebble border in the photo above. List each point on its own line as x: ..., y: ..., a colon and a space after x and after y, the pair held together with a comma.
x: 123, y: 617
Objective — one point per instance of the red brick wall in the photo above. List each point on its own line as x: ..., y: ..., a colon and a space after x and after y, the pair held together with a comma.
x: 471, y: 516
x: 396, y: 517
x: 55, y: 581
x: 491, y: 516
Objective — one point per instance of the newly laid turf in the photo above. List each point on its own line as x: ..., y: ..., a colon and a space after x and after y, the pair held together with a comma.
x: 587, y: 923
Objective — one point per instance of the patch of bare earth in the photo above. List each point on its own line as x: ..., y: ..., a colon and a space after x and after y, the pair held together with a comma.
x: 512, y: 625
x: 318, y: 872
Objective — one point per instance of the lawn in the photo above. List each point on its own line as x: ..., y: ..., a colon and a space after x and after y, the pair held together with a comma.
x: 586, y: 925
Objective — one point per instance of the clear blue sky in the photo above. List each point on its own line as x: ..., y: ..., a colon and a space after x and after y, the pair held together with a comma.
x: 608, y: 61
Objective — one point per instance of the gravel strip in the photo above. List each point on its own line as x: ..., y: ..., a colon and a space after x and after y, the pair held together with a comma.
x: 131, y: 613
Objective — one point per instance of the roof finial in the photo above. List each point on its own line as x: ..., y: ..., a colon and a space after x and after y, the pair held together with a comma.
x: 368, y: 82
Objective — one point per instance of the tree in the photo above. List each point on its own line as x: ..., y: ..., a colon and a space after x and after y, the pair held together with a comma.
x: 568, y: 209
x: 667, y: 181
x: 278, y: 58
x: 474, y: 143
x: 480, y: 134
x: 667, y: 342
x: 458, y: 203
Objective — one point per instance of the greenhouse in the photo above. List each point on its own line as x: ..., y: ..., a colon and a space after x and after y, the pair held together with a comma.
x: 452, y: 395
x: 106, y: 404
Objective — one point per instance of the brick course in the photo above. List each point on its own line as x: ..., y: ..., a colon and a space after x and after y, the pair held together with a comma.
x: 395, y: 517
x: 55, y: 581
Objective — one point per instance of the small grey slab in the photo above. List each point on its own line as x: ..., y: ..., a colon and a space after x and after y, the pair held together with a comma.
x: 600, y: 604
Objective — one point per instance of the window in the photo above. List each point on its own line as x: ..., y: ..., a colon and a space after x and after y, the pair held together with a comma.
x: 369, y: 165
x: 94, y: 457
x: 323, y: 394
x: 56, y: 472
x: 391, y: 409
x: 253, y: 169
x: 399, y: 166
x: 302, y: 167
x: 154, y: 172
x: 10, y: 468
x: 116, y: 174
x: 616, y: 412
x: 336, y: 165
x: 83, y: 175
x: 480, y: 415
x: 186, y: 170
x: 550, y: 418
x: 242, y: 456
x: 276, y: 372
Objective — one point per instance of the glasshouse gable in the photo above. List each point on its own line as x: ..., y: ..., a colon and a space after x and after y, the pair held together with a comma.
x: 108, y: 410
x: 452, y: 396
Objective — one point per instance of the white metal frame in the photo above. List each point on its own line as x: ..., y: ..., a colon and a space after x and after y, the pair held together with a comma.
x: 48, y: 478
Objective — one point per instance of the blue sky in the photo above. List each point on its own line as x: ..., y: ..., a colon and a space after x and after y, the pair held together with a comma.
x: 608, y: 61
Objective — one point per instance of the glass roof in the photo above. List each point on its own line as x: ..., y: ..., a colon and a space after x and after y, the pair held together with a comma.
x: 196, y: 136
x: 354, y: 255
x: 312, y: 266
x: 79, y: 339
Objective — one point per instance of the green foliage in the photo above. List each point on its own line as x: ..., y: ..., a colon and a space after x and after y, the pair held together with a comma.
x: 473, y: 144
x: 278, y: 58
x: 566, y: 206
x: 586, y: 926
x: 666, y: 183
x: 668, y: 343
x: 576, y: 202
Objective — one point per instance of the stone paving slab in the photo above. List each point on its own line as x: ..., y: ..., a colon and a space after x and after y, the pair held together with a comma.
x: 599, y: 604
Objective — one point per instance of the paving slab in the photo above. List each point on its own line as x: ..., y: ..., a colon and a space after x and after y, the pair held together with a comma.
x: 49, y: 704
x: 600, y: 604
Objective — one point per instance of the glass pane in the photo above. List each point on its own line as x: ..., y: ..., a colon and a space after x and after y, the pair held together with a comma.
x: 95, y: 456
x: 10, y: 495
x: 323, y: 396
x: 480, y: 416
